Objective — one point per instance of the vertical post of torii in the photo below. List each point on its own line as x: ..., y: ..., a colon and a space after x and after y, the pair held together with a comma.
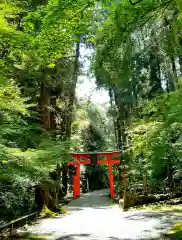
x: 111, y: 178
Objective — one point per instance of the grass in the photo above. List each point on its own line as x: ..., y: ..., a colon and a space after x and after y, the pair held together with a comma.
x: 39, y: 237
x: 175, y: 232
x: 48, y: 213
x: 160, y: 208
x: 28, y: 236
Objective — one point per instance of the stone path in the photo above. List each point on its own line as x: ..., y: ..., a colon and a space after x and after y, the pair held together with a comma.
x: 92, y: 217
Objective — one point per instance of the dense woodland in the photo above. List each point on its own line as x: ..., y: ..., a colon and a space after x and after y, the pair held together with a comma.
x: 136, y: 57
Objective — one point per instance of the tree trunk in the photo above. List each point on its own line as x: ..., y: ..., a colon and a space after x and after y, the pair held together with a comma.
x: 45, y: 106
x: 180, y: 61
x: 114, y: 122
x: 120, y: 118
x: 174, y: 86
x: 134, y: 95
x: 73, y: 86
x: 145, y: 190
x: 64, y: 171
x: 155, y: 81
x: 170, y: 177
x: 69, y: 98
x: 43, y: 197
x: 168, y: 24
x: 53, y: 113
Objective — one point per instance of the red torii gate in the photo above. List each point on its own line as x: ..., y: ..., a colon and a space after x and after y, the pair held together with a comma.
x: 78, y: 161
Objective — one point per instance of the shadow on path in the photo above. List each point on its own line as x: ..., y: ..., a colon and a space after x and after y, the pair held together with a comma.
x: 91, y: 218
x: 96, y: 200
x: 84, y: 236
x: 90, y: 237
x: 165, y: 220
x: 74, y: 236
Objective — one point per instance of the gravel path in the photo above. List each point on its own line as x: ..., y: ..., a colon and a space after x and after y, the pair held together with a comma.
x: 92, y: 217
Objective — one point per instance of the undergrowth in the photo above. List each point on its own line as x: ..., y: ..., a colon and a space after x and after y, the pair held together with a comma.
x: 157, y: 207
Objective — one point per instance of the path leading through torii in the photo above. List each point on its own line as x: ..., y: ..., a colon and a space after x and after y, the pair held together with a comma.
x: 93, y: 217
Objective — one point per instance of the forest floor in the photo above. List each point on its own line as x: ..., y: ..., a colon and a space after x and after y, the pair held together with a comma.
x: 94, y: 217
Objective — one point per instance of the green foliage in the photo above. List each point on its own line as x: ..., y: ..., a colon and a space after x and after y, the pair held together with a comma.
x: 37, y: 48
x: 156, y: 140
x: 26, y: 157
x: 175, y: 231
x: 38, y: 40
x: 48, y: 213
x: 92, y: 127
x: 138, y: 60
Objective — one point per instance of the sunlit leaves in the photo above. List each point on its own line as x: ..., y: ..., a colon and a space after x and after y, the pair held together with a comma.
x: 157, y: 139
x: 10, y: 100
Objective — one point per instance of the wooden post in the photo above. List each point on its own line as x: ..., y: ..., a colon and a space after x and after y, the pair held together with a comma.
x: 78, y: 178
x: 111, y: 178
x: 123, y: 176
x: 145, y: 190
x: 76, y: 188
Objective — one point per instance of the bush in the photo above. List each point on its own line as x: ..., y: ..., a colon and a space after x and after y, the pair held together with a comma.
x: 155, y: 145
x: 22, y: 167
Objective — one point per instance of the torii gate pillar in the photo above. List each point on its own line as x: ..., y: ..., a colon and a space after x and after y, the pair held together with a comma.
x: 111, y: 178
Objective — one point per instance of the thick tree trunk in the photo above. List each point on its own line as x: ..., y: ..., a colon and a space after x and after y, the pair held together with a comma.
x: 180, y: 53
x: 180, y: 61
x: 174, y: 86
x: 43, y: 197
x: 45, y: 106
x: 68, y: 98
x: 53, y: 113
x: 120, y: 118
x: 168, y: 24
x: 145, y: 189
x: 64, y: 171
x: 134, y: 95
x: 114, y: 121
x: 170, y: 176
x: 155, y: 80
x: 73, y: 87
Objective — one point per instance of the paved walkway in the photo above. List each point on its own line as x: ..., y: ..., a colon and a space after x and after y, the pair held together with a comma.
x: 92, y: 217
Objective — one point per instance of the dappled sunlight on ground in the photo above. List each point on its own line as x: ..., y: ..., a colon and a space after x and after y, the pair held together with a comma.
x: 93, y: 217
x: 160, y: 207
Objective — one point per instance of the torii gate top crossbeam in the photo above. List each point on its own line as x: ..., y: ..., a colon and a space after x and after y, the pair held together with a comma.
x: 88, y: 154
x: 79, y: 156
